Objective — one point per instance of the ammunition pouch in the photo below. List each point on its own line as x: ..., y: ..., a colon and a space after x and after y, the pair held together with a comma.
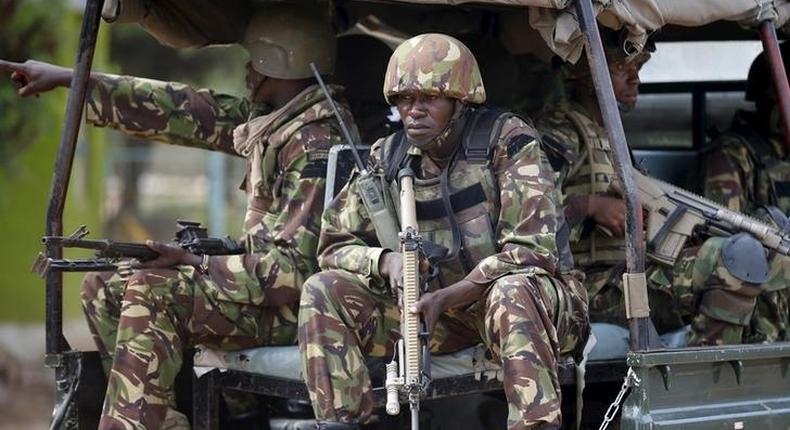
x: 744, y: 257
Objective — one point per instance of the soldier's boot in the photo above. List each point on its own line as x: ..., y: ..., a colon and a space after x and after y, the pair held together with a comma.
x: 334, y: 425
x: 101, y: 294
x: 175, y: 420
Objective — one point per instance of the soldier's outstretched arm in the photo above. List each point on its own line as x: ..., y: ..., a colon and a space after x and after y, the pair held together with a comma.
x: 35, y: 77
x: 167, y: 112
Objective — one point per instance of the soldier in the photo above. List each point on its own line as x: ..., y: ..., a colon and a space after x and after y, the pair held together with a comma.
x: 485, y: 191
x: 747, y: 169
x: 226, y: 302
x: 699, y: 289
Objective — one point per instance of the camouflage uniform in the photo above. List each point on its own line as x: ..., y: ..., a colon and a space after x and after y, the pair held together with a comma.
x: 171, y: 113
x: 745, y: 171
x: 241, y: 301
x: 697, y: 290
x: 531, y: 312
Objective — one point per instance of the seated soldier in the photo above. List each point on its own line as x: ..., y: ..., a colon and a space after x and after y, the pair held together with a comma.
x: 700, y: 289
x: 747, y: 169
x: 227, y: 302
x: 485, y: 191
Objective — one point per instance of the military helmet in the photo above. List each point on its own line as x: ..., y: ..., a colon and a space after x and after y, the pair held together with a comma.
x: 759, y: 84
x: 435, y: 64
x: 283, y: 40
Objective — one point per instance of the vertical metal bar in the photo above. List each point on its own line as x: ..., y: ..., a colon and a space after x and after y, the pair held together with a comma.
x: 55, y: 343
x: 634, y: 240
x: 778, y: 75
x: 699, y: 118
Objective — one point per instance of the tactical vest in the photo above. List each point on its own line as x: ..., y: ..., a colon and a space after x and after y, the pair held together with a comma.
x: 472, y: 189
x: 771, y: 179
x: 592, y: 175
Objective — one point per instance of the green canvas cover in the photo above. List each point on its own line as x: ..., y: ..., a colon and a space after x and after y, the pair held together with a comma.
x: 194, y: 23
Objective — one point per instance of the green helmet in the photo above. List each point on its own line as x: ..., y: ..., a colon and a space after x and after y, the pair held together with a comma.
x: 283, y: 40
x: 435, y: 64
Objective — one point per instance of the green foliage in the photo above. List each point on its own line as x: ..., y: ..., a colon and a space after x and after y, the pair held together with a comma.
x: 30, y: 128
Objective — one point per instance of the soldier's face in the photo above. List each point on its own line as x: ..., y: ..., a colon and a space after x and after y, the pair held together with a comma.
x: 625, y: 80
x: 424, y: 116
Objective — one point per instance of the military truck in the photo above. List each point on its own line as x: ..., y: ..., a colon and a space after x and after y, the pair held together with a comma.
x: 655, y: 384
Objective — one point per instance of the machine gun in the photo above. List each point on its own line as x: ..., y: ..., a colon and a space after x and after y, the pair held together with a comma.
x: 190, y: 236
x: 408, y: 372
x: 673, y: 214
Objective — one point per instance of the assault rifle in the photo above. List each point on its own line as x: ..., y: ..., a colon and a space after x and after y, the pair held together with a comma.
x: 407, y: 371
x: 190, y: 236
x: 673, y: 214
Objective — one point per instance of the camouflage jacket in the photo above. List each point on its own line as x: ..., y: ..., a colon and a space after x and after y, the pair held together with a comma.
x: 168, y: 112
x: 744, y: 170
x: 512, y: 228
x: 583, y: 162
x: 283, y: 218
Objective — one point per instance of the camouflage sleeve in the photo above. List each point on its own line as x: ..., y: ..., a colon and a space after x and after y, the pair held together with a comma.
x: 563, y: 146
x: 727, y: 169
x: 287, y: 238
x: 348, y: 239
x: 167, y: 112
x: 527, y: 221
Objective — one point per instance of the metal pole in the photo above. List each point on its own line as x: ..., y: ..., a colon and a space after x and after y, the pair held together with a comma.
x: 640, y: 328
x: 55, y: 342
x: 778, y: 75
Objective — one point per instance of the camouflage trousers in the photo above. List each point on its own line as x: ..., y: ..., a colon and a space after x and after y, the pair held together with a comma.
x: 162, y: 312
x: 699, y: 290
x: 102, y: 294
x: 342, y: 322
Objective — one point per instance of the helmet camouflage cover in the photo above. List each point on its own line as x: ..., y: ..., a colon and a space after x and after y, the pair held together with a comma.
x: 434, y: 64
x: 284, y: 39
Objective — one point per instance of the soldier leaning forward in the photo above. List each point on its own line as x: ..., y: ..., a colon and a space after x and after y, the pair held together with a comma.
x: 717, y: 299
x: 747, y: 169
x: 226, y: 302
x: 484, y: 191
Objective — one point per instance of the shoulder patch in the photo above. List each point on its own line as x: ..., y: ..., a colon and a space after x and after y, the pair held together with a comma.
x: 516, y: 143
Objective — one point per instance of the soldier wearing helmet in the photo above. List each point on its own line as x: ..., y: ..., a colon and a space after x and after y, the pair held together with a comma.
x: 747, y: 169
x: 284, y: 130
x: 700, y: 289
x: 486, y: 203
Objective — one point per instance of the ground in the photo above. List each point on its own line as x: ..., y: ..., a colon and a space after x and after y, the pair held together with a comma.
x: 26, y: 386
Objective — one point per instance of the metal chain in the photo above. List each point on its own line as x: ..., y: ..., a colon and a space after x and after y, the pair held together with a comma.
x: 630, y: 380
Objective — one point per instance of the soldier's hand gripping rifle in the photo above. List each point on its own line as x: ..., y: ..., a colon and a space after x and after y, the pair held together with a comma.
x: 673, y: 214
x: 406, y: 373
x: 190, y: 236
